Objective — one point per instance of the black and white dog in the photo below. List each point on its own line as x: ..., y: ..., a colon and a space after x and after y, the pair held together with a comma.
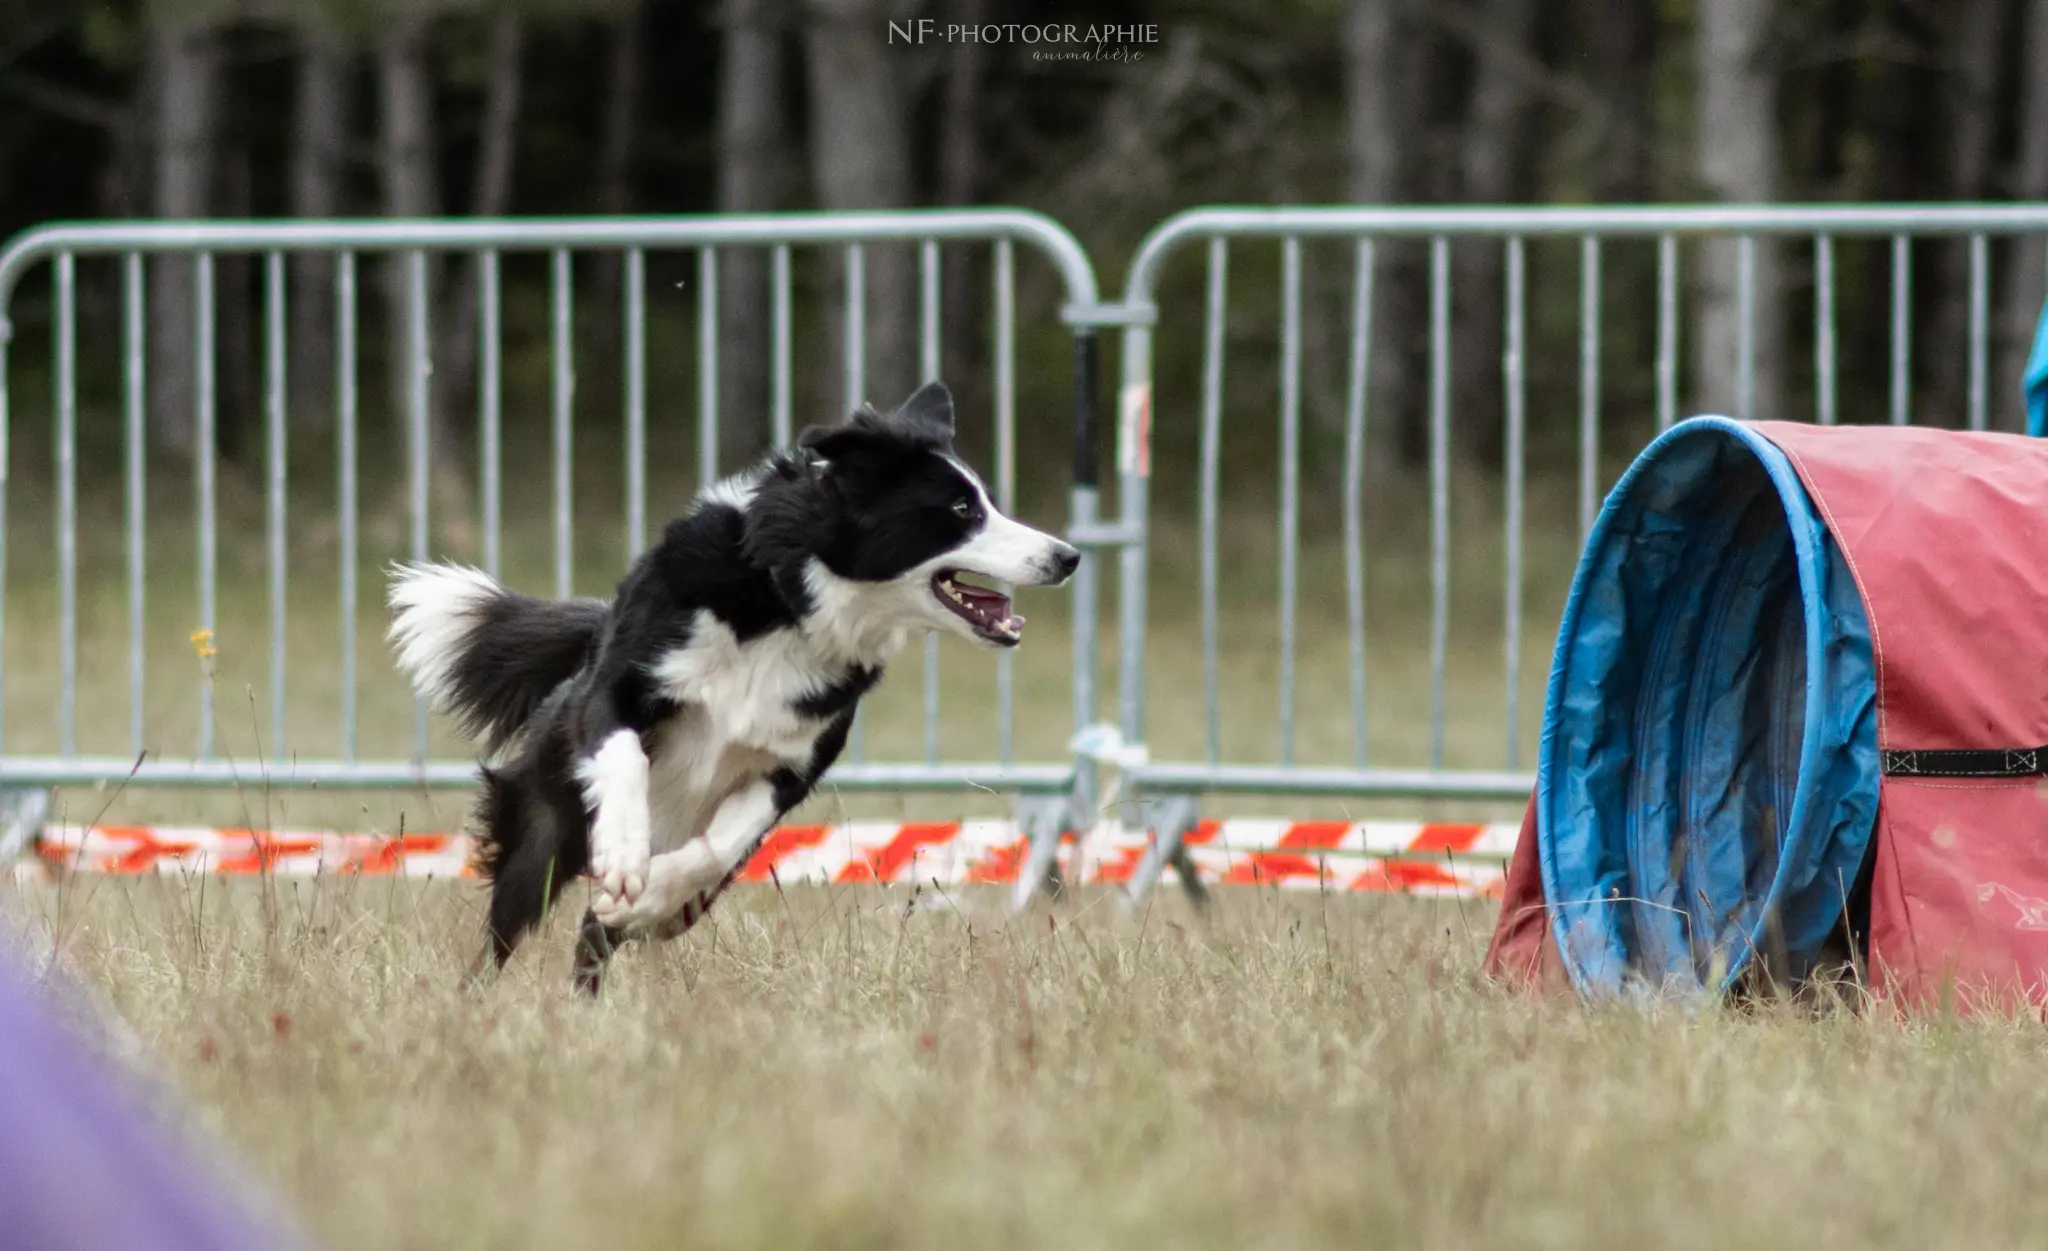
x: 654, y: 740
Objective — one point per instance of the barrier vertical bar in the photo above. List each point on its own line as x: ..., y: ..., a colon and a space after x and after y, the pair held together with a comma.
x: 1211, y: 489
x: 780, y: 405
x: 1134, y: 469
x: 65, y: 336
x: 1980, y: 317
x: 1439, y: 488
x: 135, y: 423
x: 1355, y: 411
x: 1667, y: 331
x: 928, y: 364
x: 561, y: 295
x: 1589, y: 383
x: 635, y: 316
x: 1824, y: 328
x: 1902, y: 329
x: 854, y: 345
x: 418, y: 416
x: 345, y: 488
x: 1745, y: 328
x: 1290, y: 479
x: 707, y: 367
x: 274, y: 511
x: 1087, y: 579
x: 1514, y: 470
x: 1006, y: 468
x: 490, y: 410
x: 202, y: 469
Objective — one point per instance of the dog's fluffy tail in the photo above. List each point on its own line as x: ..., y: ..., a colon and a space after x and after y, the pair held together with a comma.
x: 486, y: 655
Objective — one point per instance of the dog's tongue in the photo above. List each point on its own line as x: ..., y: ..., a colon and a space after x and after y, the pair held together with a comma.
x: 987, y: 609
x: 993, y: 607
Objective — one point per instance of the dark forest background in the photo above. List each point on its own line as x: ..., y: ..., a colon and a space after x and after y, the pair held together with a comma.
x: 267, y: 108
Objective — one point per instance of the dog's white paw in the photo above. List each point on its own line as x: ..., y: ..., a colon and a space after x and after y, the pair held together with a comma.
x: 678, y: 890
x: 619, y: 855
x: 639, y: 912
x: 615, y: 785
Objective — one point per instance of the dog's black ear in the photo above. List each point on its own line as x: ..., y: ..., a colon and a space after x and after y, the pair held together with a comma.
x: 928, y: 415
x: 838, y: 443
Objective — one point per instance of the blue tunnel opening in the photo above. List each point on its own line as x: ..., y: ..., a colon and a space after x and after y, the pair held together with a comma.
x: 1708, y: 777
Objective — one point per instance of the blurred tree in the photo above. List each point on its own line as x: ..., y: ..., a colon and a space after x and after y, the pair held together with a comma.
x: 959, y: 179
x: 2027, y: 284
x: 754, y: 175
x: 1381, y: 87
x: 624, y: 89
x: 1972, y: 55
x: 1737, y: 153
x: 408, y: 165
x: 1494, y: 163
x: 182, y: 75
x: 490, y: 196
x: 319, y: 165
x: 861, y: 136
x: 1621, y: 36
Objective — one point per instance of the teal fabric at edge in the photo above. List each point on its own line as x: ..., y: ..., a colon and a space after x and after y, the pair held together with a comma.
x: 1708, y: 776
x: 2035, y: 383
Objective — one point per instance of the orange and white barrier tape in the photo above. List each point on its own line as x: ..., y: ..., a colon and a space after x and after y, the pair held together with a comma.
x: 1404, y: 857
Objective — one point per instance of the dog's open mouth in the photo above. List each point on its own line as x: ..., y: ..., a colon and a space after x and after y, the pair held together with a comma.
x: 987, y: 611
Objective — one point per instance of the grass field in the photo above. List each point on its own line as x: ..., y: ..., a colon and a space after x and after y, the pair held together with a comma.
x: 879, y: 1067
x: 857, y: 1069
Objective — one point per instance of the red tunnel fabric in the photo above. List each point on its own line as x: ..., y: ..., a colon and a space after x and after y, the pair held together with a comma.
x: 1947, y: 536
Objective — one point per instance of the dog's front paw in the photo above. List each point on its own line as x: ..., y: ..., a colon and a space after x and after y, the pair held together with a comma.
x: 618, y: 859
x: 632, y: 915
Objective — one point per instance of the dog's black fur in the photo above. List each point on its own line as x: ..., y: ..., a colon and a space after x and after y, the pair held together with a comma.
x: 545, y: 683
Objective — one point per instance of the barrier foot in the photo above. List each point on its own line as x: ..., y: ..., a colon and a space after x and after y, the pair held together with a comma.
x: 1168, y: 818
x: 23, y: 811
x: 1045, y: 819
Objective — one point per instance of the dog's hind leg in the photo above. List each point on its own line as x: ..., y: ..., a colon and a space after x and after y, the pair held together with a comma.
x: 595, y: 944
x: 537, y: 840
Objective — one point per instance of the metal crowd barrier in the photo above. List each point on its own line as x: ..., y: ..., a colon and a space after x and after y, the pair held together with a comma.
x: 63, y: 249
x: 1056, y: 794
x: 1167, y: 788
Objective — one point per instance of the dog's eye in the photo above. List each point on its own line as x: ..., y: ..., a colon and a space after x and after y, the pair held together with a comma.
x: 963, y: 508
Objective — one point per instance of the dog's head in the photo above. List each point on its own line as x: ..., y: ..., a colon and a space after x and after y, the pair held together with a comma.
x: 877, y: 517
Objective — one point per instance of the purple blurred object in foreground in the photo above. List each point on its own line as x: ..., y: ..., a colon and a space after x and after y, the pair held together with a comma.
x: 83, y: 1165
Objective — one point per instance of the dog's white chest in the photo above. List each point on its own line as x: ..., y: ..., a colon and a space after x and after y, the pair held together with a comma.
x: 737, y: 721
x: 745, y: 695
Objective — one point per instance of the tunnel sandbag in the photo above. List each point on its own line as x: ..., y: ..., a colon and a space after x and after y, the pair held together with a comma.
x: 1709, y: 773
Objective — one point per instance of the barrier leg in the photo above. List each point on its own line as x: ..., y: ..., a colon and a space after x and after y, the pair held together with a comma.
x: 1167, y: 818
x: 1044, y: 819
x: 23, y: 810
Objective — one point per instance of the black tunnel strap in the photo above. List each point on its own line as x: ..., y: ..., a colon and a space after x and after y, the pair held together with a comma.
x: 1989, y: 762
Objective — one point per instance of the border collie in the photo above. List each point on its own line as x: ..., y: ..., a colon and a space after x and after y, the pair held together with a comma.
x: 654, y: 740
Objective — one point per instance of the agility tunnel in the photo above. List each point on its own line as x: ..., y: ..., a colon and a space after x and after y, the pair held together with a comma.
x: 1796, y: 722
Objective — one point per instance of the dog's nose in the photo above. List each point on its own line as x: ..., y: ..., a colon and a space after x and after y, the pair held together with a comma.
x: 1065, y: 559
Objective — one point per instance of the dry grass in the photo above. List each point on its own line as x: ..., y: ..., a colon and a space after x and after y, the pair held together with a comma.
x: 848, y: 1070
x: 857, y: 1069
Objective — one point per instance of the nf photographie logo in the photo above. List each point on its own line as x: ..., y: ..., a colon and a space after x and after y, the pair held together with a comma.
x: 1048, y: 41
